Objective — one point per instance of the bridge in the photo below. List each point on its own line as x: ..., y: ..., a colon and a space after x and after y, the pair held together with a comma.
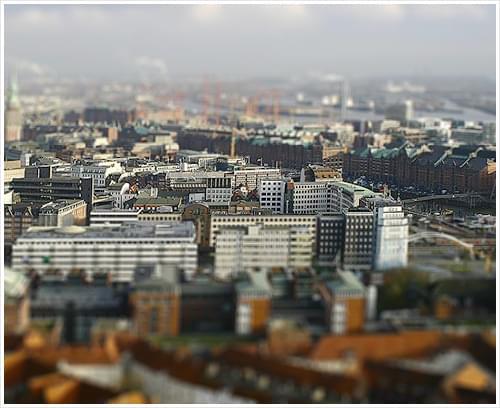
x: 442, y: 197
x: 440, y: 235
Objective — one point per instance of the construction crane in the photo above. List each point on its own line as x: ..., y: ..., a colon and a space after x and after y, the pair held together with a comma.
x: 234, y: 134
x: 251, y: 109
x: 232, y: 105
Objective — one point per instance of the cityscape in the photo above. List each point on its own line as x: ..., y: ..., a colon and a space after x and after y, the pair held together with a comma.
x: 277, y: 204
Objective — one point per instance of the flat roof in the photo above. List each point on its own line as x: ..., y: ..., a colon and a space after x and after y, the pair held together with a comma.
x: 59, y: 204
x: 131, y: 229
x: 104, y: 211
x: 353, y: 188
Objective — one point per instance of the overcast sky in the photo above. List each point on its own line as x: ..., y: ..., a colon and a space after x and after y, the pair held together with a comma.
x: 119, y: 41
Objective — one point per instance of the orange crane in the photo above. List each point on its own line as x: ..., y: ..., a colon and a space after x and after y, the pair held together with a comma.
x: 252, y: 106
x: 275, y: 96
x: 234, y: 134
x: 179, y: 106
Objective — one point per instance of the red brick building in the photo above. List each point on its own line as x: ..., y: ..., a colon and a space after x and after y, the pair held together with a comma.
x: 462, y: 169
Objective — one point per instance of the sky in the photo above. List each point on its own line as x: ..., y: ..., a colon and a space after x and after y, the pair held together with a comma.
x: 248, y: 41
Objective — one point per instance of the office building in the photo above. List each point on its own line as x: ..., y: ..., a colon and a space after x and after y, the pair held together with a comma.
x: 469, y: 134
x: 272, y: 195
x: 33, y: 190
x: 345, y: 195
x: 113, y: 250
x: 221, y: 221
x: 97, y: 171
x: 391, y: 237
x: 63, y: 213
x: 358, y: 246
x: 155, y: 216
x: 327, y: 196
x: 257, y: 246
x: 330, y: 235
x: 250, y: 177
x: 40, y: 171
x: 310, y: 197
x: 219, y: 189
x: 113, y: 216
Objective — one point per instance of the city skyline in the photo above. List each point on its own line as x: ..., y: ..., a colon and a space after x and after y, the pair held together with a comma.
x: 267, y: 203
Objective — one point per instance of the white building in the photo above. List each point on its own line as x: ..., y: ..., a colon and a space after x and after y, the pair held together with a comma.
x: 63, y: 213
x: 251, y: 176
x: 219, y: 189
x: 310, y: 197
x: 391, y: 238
x: 117, y: 216
x: 272, y: 195
x: 114, y: 250
x: 120, y: 193
x: 159, y: 216
x: 258, y: 246
x: 152, y: 167
x: 343, y: 195
x: 221, y: 221
x: 327, y: 196
x: 113, y: 216
x: 97, y: 171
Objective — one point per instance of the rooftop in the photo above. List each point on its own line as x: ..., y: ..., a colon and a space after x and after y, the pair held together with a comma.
x: 354, y: 188
x: 59, y: 204
x: 172, y: 201
x: 116, y: 211
x: 346, y: 281
x: 123, y: 231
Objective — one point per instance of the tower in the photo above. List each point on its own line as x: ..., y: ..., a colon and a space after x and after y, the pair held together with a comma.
x: 13, y: 114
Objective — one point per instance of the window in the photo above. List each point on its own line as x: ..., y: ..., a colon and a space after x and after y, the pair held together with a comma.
x: 153, y: 320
